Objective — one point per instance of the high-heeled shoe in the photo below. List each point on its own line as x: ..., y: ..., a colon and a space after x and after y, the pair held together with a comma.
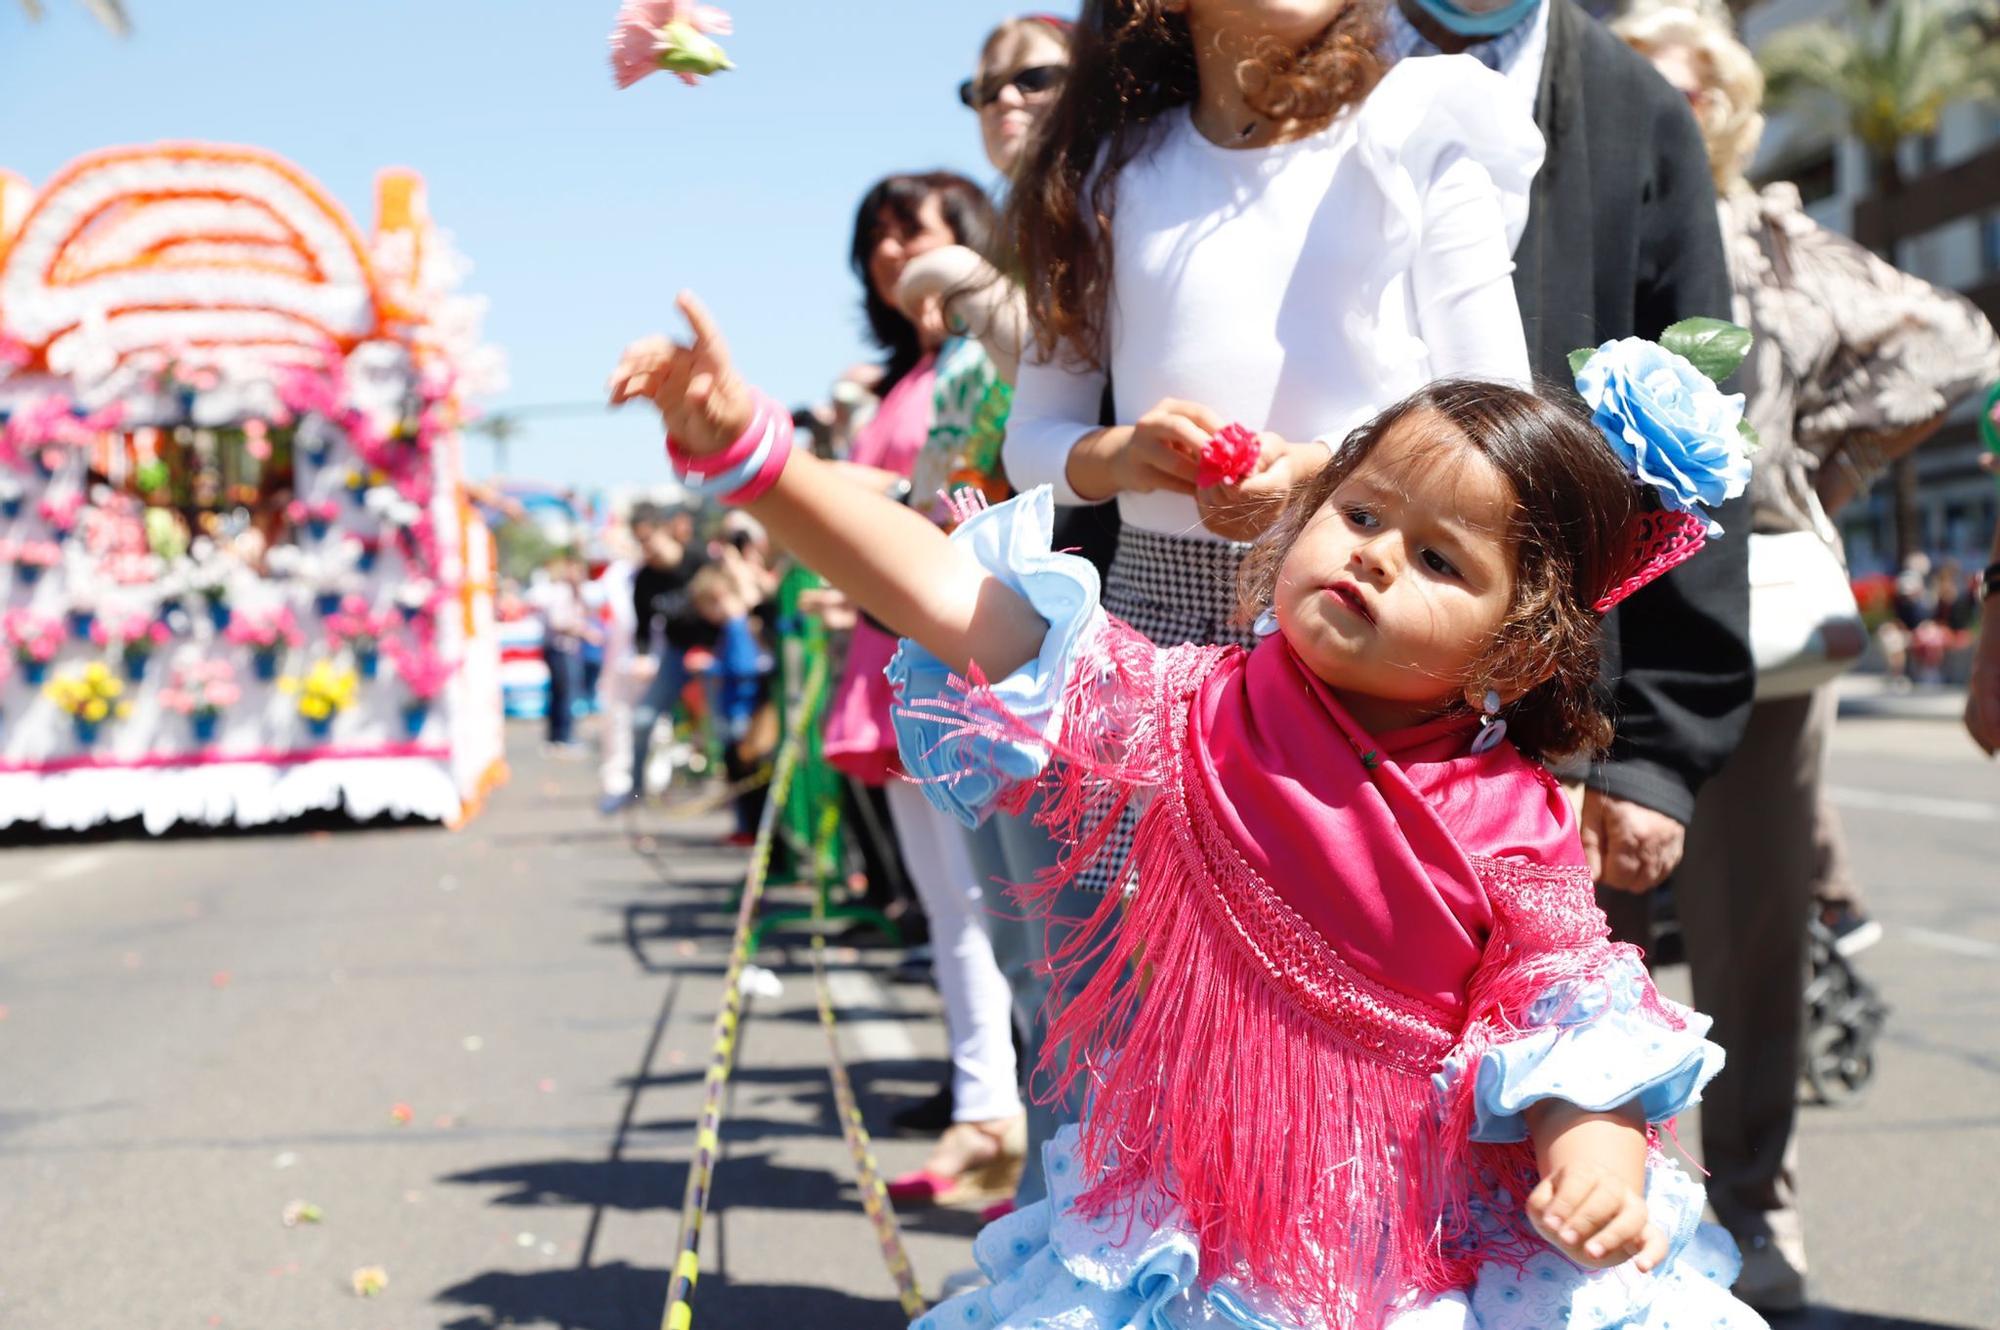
x: 973, y: 1161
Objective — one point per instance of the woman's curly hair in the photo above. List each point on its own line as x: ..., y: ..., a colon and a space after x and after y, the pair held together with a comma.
x: 1130, y: 61
x: 1573, y: 504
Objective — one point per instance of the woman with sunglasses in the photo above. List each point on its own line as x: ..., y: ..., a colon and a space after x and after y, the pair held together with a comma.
x: 958, y: 294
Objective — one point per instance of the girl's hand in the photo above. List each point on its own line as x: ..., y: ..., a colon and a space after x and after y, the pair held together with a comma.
x: 1247, y: 511
x: 705, y: 405
x: 1594, y: 1216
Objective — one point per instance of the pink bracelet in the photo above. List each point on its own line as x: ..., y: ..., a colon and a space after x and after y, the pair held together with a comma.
x: 774, y: 466
x: 734, y: 455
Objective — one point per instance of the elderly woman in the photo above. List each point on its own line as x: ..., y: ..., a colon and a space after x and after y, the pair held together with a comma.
x: 1854, y: 364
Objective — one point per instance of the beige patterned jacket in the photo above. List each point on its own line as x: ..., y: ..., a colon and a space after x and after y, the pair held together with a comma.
x: 1848, y: 350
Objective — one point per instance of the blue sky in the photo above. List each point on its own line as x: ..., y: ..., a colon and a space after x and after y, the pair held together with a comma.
x: 582, y: 208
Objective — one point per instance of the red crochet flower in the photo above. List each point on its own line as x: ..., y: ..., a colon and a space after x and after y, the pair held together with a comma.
x: 1229, y: 456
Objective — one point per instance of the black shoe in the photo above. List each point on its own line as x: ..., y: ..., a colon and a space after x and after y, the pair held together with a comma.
x: 926, y: 1117
x: 1853, y: 932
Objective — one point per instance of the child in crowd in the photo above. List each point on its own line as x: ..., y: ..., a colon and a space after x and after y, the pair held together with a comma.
x: 738, y: 684
x: 1359, y: 1052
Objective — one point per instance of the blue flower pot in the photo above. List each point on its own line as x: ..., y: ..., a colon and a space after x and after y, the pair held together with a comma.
x: 317, y: 453
x: 86, y: 731
x: 319, y: 527
x: 11, y: 508
x: 367, y: 561
x: 35, y: 671
x: 319, y: 729
x: 357, y: 495
x: 135, y: 665
x: 264, y: 664
x: 218, y: 614
x: 327, y: 603
x: 202, y: 724
x: 80, y: 624
x: 29, y: 573
x: 368, y: 663
x: 409, y: 612
x: 414, y: 716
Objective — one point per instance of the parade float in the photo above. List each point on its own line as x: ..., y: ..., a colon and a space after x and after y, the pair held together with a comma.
x: 243, y: 581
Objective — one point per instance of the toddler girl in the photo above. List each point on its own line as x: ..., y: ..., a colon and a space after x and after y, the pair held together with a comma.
x: 1359, y: 1053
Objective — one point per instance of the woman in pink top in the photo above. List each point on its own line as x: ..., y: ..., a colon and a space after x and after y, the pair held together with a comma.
x: 980, y: 1155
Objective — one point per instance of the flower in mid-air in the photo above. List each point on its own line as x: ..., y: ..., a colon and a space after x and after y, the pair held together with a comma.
x: 674, y: 35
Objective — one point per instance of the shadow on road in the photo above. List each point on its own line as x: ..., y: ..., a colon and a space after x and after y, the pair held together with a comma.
x: 653, y: 1184
x: 627, y: 1297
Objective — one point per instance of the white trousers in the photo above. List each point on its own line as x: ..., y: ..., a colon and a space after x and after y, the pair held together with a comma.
x: 977, y: 1004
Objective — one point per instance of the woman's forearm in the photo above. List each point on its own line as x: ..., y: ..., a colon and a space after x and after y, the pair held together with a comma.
x: 900, y: 568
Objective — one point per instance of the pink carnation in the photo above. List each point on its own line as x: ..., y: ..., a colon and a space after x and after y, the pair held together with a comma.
x: 1229, y: 457
x: 636, y: 39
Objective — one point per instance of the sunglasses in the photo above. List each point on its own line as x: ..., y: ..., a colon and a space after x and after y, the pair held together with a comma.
x: 1029, y: 82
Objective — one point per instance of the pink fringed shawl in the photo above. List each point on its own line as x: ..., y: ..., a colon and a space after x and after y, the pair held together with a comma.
x: 1321, y: 919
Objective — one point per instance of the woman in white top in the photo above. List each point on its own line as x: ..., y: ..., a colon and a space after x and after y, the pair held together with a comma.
x: 1234, y: 215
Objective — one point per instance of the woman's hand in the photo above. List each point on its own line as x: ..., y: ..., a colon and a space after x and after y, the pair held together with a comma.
x: 1248, y: 510
x: 1161, y: 452
x: 705, y: 405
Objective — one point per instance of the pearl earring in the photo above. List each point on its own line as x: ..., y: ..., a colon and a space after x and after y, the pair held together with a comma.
x: 1492, y: 729
x: 1266, y: 623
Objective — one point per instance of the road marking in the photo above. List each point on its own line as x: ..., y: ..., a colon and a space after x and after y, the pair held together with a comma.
x: 1958, y: 810
x: 1951, y: 942
x: 876, y: 1040
x: 56, y: 870
x: 72, y: 865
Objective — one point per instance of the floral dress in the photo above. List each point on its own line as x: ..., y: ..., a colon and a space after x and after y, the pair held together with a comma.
x: 1348, y: 966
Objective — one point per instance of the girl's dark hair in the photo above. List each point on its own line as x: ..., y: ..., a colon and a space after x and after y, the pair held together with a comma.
x: 1573, y: 502
x: 893, y: 203
x: 1131, y: 60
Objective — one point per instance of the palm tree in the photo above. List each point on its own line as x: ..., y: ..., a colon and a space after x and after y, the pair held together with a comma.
x: 111, y: 13
x: 1884, y: 75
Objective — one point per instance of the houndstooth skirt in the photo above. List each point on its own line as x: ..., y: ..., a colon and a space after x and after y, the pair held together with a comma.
x: 1175, y: 590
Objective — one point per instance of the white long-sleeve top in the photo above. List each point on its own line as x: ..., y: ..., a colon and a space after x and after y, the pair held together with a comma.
x: 1305, y: 286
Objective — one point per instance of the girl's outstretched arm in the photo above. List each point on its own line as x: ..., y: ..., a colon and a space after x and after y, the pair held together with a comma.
x: 888, y: 558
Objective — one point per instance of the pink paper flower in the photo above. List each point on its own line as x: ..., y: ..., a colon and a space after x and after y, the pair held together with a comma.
x: 32, y: 636
x: 265, y: 632
x: 667, y: 34
x: 1228, y: 458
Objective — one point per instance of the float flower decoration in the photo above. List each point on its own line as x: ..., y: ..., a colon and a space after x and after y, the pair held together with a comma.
x: 201, y: 691
x: 15, y: 354
x: 315, y: 515
x: 425, y: 674
x: 360, y: 628
x: 323, y: 692
x: 91, y: 696
x: 63, y: 510
x: 34, y: 639
x: 674, y: 35
x: 134, y: 638
x: 266, y: 634
x: 32, y: 558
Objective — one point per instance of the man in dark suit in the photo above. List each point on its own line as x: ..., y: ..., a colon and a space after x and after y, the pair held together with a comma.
x: 1622, y: 240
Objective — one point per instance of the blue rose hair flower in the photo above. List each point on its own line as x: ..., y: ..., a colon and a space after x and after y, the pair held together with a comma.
x: 1668, y: 423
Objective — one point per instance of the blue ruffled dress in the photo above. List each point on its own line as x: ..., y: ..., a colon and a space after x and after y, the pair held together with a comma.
x: 1596, y: 1043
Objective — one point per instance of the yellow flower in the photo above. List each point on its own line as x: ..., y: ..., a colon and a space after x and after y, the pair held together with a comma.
x: 108, y: 687
x: 95, y: 672
x: 95, y: 710
x: 315, y: 709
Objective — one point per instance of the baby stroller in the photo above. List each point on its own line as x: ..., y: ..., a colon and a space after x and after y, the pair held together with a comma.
x: 1844, y: 1016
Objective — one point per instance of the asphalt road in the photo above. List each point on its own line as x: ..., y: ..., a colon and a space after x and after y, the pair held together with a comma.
x: 480, y: 1056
